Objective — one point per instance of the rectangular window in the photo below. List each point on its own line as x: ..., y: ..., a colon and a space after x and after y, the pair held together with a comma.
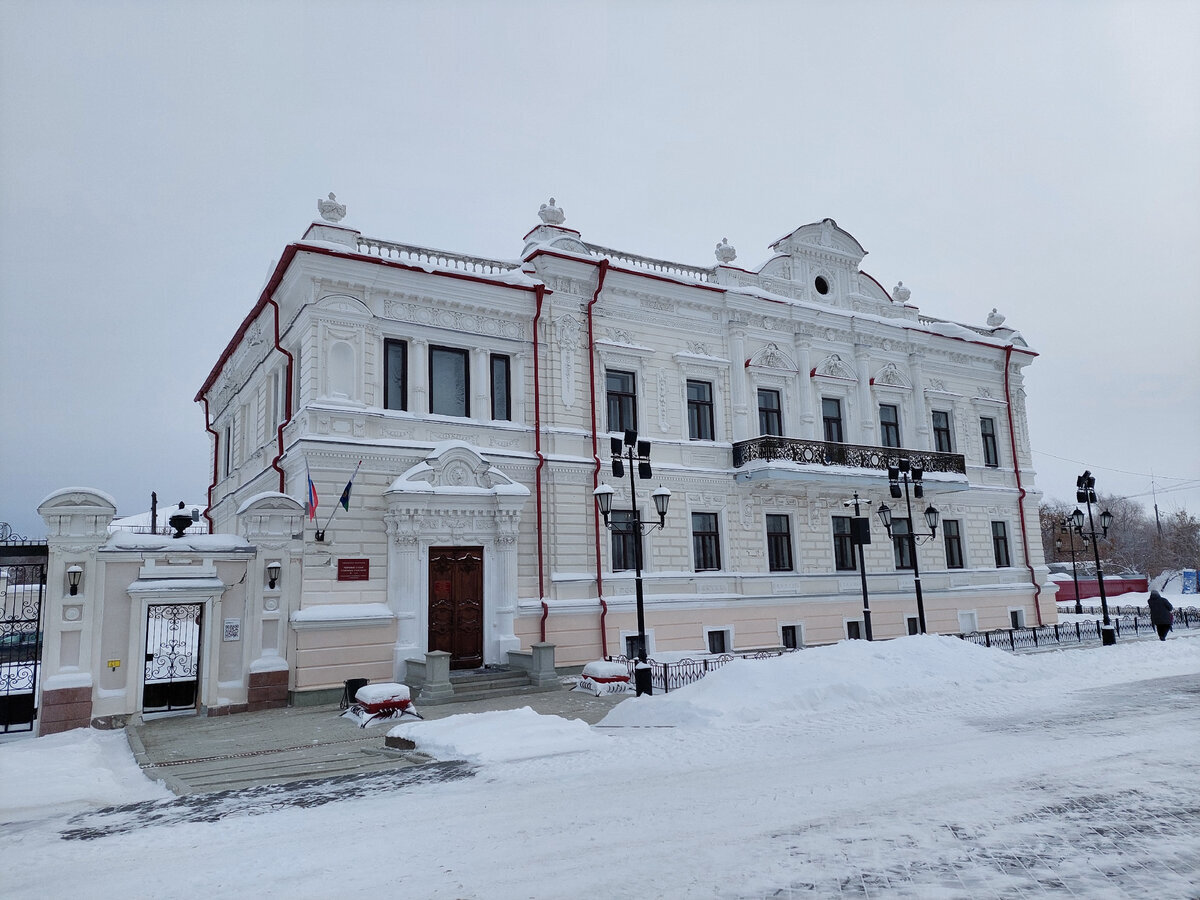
x: 941, y: 432
x: 914, y: 625
x: 718, y: 642
x: 1000, y: 544
x: 1016, y: 618
x: 700, y: 411
x: 395, y: 375
x: 706, y: 542
x: 854, y: 630
x: 228, y: 450
x: 843, y: 545
x: 770, y: 416
x: 632, y: 644
x: 968, y: 621
x: 889, y: 425
x: 902, y: 543
x: 779, y: 543
x: 501, y: 381
x: 449, y: 382
x: 622, y: 402
x: 831, y: 413
x: 624, y: 540
x: 987, y: 429
x: 952, y: 537
x: 281, y: 410
x: 788, y: 636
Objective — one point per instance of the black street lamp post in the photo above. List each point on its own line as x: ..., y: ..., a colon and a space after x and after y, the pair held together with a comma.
x: 635, y: 451
x: 1085, y: 492
x: 902, y: 474
x: 1069, y: 530
x: 860, y: 534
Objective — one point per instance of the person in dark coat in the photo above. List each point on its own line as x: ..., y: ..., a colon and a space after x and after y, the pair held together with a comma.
x: 1160, y: 613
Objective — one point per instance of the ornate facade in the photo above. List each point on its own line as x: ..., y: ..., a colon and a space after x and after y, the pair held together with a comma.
x: 480, y: 396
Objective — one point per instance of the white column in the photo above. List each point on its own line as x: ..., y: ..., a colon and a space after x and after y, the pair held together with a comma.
x: 737, y: 387
x: 805, y: 426
x: 418, y: 372
x: 916, y: 373
x: 867, y: 414
x: 481, y: 379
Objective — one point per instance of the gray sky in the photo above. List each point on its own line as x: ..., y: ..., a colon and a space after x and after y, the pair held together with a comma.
x: 155, y: 158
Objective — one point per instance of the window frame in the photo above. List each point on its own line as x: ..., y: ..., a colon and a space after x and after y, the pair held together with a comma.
x: 623, y: 547
x: 892, y: 427
x: 940, y: 445
x: 504, y: 367
x: 706, y: 542
x: 904, y: 548
x: 779, y: 544
x: 843, y: 546
x: 625, y: 401
x: 991, y: 447
x: 439, y: 350
x: 1001, y: 549
x: 701, y: 420
x: 768, y: 413
x: 389, y: 345
x: 952, y: 538
x: 839, y: 421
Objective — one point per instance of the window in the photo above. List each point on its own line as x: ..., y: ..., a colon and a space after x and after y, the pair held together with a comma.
x: 902, y: 543
x: 718, y: 641
x: 889, y: 425
x: 280, y: 383
x: 968, y: 621
x: 622, y: 403
x: 941, y: 432
x: 854, y: 630
x: 706, y: 541
x: 831, y: 412
x: 624, y: 540
x: 987, y: 429
x: 1016, y: 618
x: 1000, y: 544
x: 843, y: 545
x: 914, y: 625
x: 228, y: 450
x: 700, y: 410
x: 501, y: 380
x: 789, y: 637
x: 449, y: 382
x: 779, y: 543
x: 632, y: 644
x: 395, y: 375
x: 770, y: 419
x: 952, y: 537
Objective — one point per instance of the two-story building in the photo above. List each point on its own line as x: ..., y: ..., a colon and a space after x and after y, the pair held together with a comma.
x: 477, y: 399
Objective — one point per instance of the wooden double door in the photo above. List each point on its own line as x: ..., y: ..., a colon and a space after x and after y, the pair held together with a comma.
x: 456, y: 604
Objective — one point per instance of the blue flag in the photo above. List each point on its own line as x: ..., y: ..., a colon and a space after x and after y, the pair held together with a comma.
x: 345, y: 500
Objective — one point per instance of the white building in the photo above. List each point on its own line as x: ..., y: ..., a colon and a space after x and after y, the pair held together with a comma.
x: 480, y: 396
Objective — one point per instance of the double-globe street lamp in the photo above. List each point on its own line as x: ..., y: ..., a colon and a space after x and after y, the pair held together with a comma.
x: 636, y: 452
x: 902, y: 475
x: 1068, y: 528
x: 1085, y: 492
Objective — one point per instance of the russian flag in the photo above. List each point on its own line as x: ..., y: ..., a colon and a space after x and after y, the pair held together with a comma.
x: 311, y: 505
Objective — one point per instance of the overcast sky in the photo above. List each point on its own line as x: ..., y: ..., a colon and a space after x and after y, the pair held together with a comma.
x: 155, y: 158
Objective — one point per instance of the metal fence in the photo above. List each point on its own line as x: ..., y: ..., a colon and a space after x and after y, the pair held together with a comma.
x: 1129, y: 620
x: 667, y: 677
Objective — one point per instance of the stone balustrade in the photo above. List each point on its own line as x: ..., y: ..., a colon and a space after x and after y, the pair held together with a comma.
x: 411, y: 253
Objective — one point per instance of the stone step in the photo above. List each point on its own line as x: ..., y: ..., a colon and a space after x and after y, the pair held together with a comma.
x: 467, y: 695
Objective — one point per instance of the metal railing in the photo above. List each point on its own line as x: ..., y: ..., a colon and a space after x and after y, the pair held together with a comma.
x: 667, y: 677
x: 827, y: 453
x: 1134, y: 620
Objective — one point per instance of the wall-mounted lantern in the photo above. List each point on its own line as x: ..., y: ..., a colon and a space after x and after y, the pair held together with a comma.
x: 273, y: 574
x: 74, y: 576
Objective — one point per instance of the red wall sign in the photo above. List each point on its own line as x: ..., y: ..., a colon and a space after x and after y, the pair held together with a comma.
x: 354, y: 570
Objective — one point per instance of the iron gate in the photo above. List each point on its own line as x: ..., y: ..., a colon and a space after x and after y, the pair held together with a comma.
x: 23, y: 565
x: 172, y: 657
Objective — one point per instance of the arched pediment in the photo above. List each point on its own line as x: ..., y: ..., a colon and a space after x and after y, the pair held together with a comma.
x: 771, y: 357
x: 343, y: 305
x: 455, y: 467
x: 832, y: 366
x: 78, y: 501
x: 823, y: 237
x: 891, y: 376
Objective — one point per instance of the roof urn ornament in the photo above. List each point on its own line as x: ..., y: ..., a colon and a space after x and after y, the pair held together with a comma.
x: 551, y: 214
x: 331, y: 210
x: 995, y: 319
x: 900, y: 293
x: 725, y: 252
x: 181, y: 521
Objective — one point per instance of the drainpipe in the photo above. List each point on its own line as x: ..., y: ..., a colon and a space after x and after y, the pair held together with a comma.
x: 287, y: 403
x: 1012, y: 438
x: 603, y: 272
x: 537, y: 448
x: 216, y: 456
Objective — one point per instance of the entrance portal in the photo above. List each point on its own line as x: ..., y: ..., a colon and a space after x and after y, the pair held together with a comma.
x: 172, y: 657
x: 456, y: 604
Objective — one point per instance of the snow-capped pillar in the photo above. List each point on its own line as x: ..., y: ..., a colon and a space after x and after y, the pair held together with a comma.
x: 419, y: 373
x: 737, y: 386
x: 917, y: 374
x: 867, y: 415
x: 805, y: 426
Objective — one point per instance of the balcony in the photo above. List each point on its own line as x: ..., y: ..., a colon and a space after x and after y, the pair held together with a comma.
x: 853, y: 456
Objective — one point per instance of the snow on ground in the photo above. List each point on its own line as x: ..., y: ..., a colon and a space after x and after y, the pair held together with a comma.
x: 920, y: 767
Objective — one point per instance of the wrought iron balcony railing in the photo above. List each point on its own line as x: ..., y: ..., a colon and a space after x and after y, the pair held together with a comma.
x: 825, y: 453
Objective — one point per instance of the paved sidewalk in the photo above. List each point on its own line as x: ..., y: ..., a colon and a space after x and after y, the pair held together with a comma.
x: 197, y: 755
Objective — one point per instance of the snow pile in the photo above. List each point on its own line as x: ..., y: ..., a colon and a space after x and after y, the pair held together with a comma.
x: 69, y: 772
x: 500, y: 736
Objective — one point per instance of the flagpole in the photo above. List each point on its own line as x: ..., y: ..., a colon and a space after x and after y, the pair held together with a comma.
x: 344, y: 501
